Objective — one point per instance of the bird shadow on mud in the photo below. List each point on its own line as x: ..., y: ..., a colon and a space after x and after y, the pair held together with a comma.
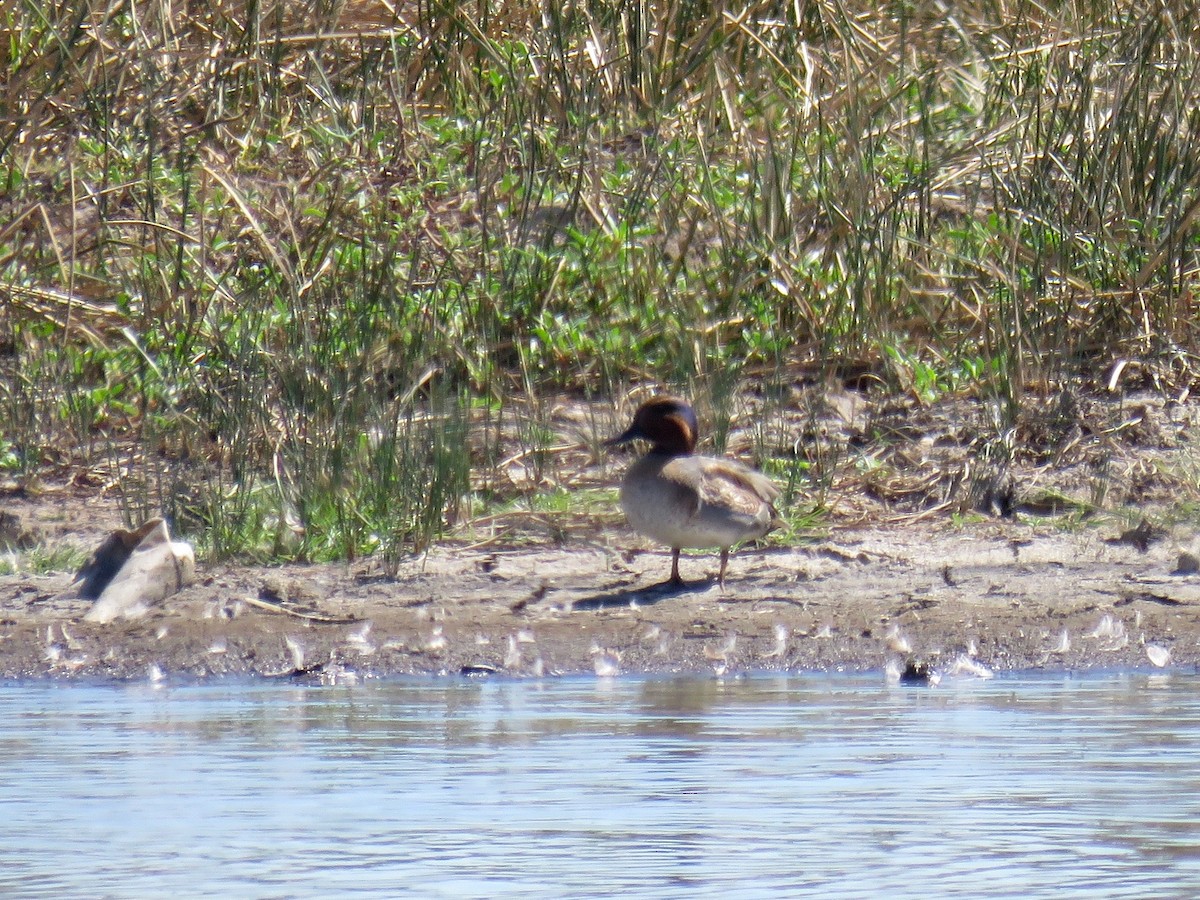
x: 625, y: 598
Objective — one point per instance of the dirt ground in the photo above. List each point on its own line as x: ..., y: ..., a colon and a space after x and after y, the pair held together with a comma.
x: 927, y: 562
x: 997, y: 594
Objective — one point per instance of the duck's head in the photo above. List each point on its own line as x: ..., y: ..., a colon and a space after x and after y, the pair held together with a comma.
x: 668, y: 423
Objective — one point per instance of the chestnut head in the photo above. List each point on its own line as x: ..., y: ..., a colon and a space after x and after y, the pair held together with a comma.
x: 668, y: 423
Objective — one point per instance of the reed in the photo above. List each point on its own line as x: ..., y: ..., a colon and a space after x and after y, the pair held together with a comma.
x: 280, y: 269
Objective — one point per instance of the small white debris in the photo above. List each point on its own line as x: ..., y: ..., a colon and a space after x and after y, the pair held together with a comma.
x: 482, y: 640
x: 155, y: 674
x: 963, y: 665
x: 1104, y: 628
x: 335, y: 673
x: 1064, y: 643
x: 1110, y: 632
x: 539, y: 668
x: 219, y: 609
x: 512, y: 659
x: 525, y: 636
x: 358, y: 640
x: 892, y: 671
x: 723, y: 652
x: 437, y: 640
x: 606, y: 662
x: 161, y: 633
x: 823, y: 632
x: 781, y: 640
x: 297, y: 651
x: 218, y: 646
x: 972, y: 648
x: 1158, y: 655
x: 222, y: 610
x: 897, y: 640
x: 661, y: 639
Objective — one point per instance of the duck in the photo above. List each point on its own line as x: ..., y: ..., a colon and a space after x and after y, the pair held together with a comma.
x: 677, y: 498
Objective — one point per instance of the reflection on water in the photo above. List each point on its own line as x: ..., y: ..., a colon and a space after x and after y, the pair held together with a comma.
x: 820, y: 786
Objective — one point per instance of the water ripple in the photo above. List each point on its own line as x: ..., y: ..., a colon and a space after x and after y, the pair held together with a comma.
x: 802, y: 786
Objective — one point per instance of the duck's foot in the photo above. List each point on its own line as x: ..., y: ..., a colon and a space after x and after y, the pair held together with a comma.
x: 673, y: 585
x: 675, y: 579
x: 676, y: 582
x: 724, y: 563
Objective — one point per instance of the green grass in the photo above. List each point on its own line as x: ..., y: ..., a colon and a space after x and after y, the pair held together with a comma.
x: 43, y: 560
x: 302, y: 276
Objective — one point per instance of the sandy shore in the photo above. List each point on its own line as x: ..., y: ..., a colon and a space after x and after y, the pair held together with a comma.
x: 1003, y: 595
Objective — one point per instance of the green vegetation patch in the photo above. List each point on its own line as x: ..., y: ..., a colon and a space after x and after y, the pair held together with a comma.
x: 302, y: 274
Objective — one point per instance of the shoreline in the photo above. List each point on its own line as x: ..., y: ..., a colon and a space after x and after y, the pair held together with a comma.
x: 1004, y: 596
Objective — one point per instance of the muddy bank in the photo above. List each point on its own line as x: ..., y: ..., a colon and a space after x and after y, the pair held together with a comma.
x: 1008, y: 596
x: 575, y: 594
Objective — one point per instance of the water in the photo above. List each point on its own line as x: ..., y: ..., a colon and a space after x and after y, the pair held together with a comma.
x: 782, y: 786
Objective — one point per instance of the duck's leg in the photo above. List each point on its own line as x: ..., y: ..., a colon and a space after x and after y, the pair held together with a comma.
x: 675, y: 579
x: 724, y: 562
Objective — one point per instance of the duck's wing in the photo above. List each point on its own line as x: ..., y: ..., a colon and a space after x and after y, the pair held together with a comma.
x: 712, y: 502
x: 726, y: 475
x: 729, y: 486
